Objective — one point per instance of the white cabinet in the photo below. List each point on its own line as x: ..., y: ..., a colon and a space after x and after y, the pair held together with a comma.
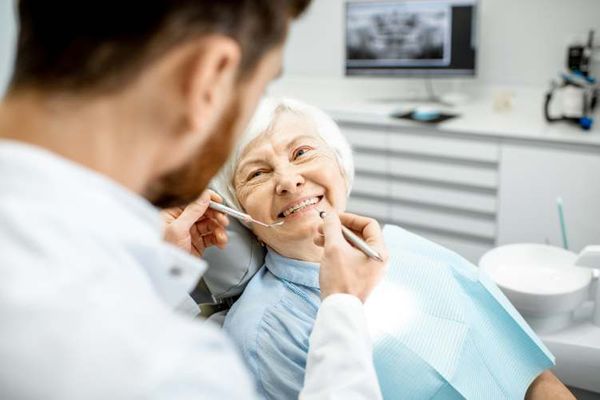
x: 439, y: 186
x: 530, y: 181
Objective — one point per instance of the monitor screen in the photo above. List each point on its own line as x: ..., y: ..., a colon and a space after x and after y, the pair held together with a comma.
x: 415, y: 37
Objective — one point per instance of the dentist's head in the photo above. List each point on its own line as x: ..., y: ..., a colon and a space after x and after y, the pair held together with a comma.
x: 291, y: 162
x: 151, y: 93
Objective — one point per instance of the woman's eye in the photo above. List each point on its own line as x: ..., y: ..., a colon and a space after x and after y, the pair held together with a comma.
x: 301, y: 151
x: 255, y: 174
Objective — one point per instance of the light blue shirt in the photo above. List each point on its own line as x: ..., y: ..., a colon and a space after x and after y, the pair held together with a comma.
x: 272, y: 322
x: 440, y: 328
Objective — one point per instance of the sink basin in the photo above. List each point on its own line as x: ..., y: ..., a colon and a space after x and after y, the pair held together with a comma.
x: 541, y: 281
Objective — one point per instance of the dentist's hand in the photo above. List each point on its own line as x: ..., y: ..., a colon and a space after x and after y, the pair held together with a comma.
x: 345, y: 269
x: 196, y: 227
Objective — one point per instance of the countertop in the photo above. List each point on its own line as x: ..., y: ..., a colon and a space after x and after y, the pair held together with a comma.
x: 479, y: 113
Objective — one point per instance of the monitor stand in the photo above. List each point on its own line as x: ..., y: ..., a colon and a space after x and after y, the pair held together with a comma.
x: 430, y: 97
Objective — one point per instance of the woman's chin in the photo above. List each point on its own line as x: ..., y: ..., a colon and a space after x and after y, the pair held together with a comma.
x: 305, y: 224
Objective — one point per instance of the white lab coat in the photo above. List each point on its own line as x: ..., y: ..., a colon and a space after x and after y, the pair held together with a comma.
x: 94, y: 305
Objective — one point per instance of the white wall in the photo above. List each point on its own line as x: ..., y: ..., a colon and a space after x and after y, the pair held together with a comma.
x: 7, y: 38
x: 522, y: 42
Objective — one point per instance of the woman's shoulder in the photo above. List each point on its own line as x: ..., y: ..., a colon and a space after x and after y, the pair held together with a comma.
x: 267, y: 308
x: 272, y: 329
x: 259, y: 299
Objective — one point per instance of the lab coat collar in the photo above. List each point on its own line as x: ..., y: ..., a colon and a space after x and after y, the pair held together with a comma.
x: 173, y: 273
x: 94, y: 205
x: 57, y: 180
x: 296, y: 271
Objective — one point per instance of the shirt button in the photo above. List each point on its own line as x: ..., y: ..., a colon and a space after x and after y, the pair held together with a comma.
x: 175, y: 271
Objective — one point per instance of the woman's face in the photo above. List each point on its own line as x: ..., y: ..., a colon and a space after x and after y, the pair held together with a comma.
x: 289, y: 173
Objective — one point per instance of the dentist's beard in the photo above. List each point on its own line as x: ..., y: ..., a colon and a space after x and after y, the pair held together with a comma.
x: 181, y: 187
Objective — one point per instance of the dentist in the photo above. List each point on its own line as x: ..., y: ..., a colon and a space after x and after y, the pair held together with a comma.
x: 116, y: 106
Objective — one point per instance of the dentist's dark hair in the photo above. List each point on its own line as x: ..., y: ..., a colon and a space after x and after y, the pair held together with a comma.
x: 101, y: 45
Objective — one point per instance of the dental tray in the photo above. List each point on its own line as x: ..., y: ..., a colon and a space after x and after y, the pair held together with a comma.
x: 436, y: 120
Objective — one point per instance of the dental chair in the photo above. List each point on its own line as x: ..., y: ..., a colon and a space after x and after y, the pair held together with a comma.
x: 229, y: 272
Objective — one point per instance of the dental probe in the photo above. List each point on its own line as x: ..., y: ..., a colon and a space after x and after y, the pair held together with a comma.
x: 240, y: 215
x: 356, y: 241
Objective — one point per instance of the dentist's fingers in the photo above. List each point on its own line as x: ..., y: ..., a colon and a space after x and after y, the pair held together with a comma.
x: 213, y: 231
x: 196, y: 243
x: 199, y: 208
x: 202, y: 241
x: 319, y: 240
x: 214, y: 214
x: 193, y: 212
x: 367, y: 228
x: 218, y: 238
x: 170, y: 214
x: 364, y: 227
x: 332, y: 230
x: 196, y: 227
x: 345, y: 269
x: 214, y: 196
x: 217, y: 216
x: 207, y: 225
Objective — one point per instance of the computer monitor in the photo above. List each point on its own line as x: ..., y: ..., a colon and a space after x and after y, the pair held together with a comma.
x: 411, y: 37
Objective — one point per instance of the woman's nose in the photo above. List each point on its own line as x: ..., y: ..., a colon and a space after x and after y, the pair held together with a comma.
x: 289, y: 183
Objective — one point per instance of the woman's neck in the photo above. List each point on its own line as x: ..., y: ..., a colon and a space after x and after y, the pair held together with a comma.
x: 305, y: 250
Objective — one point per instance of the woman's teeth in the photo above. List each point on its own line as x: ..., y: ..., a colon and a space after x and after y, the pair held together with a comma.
x: 300, y: 206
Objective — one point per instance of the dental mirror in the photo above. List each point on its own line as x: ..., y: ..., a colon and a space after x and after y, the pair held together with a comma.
x: 240, y: 215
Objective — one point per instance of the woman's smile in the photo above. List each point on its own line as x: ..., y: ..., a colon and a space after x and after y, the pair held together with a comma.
x: 299, y: 207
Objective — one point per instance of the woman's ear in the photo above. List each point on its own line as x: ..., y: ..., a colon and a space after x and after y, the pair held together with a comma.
x: 345, y: 176
x: 209, y: 81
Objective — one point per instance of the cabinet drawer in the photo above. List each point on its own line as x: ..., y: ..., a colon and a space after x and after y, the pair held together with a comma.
x: 443, y: 147
x: 370, y: 163
x: 479, y: 177
x: 372, y: 185
x: 442, y: 223
x: 369, y: 139
x: 370, y: 208
x: 464, y: 225
x: 420, y: 143
x: 428, y: 195
x: 448, y: 173
x: 444, y: 197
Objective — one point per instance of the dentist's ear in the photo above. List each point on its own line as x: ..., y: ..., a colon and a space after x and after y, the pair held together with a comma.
x: 209, y: 82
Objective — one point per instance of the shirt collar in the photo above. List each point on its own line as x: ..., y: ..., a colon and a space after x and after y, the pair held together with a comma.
x: 296, y: 271
x: 94, y: 205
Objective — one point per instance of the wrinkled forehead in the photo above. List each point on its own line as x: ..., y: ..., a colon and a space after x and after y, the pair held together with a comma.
x: 287, y: 129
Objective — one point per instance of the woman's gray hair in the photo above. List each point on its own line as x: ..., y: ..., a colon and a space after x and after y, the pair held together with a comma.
x: 263, y: 120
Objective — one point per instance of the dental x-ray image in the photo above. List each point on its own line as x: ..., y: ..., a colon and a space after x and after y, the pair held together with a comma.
x: 398, y: 34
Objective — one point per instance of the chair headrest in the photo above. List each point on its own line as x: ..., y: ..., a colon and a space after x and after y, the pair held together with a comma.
x: 230, y: 269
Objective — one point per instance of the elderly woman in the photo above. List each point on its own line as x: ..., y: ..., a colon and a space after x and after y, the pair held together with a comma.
x: 439, y: 330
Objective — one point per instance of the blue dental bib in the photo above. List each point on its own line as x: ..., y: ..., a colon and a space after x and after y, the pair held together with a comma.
x: 442, y: 329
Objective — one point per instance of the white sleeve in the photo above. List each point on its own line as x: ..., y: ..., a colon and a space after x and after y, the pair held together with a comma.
x: 107, y: 344
x: 340, y: 357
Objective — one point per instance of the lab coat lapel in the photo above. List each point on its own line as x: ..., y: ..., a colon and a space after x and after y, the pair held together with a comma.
x: 173, y: 273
